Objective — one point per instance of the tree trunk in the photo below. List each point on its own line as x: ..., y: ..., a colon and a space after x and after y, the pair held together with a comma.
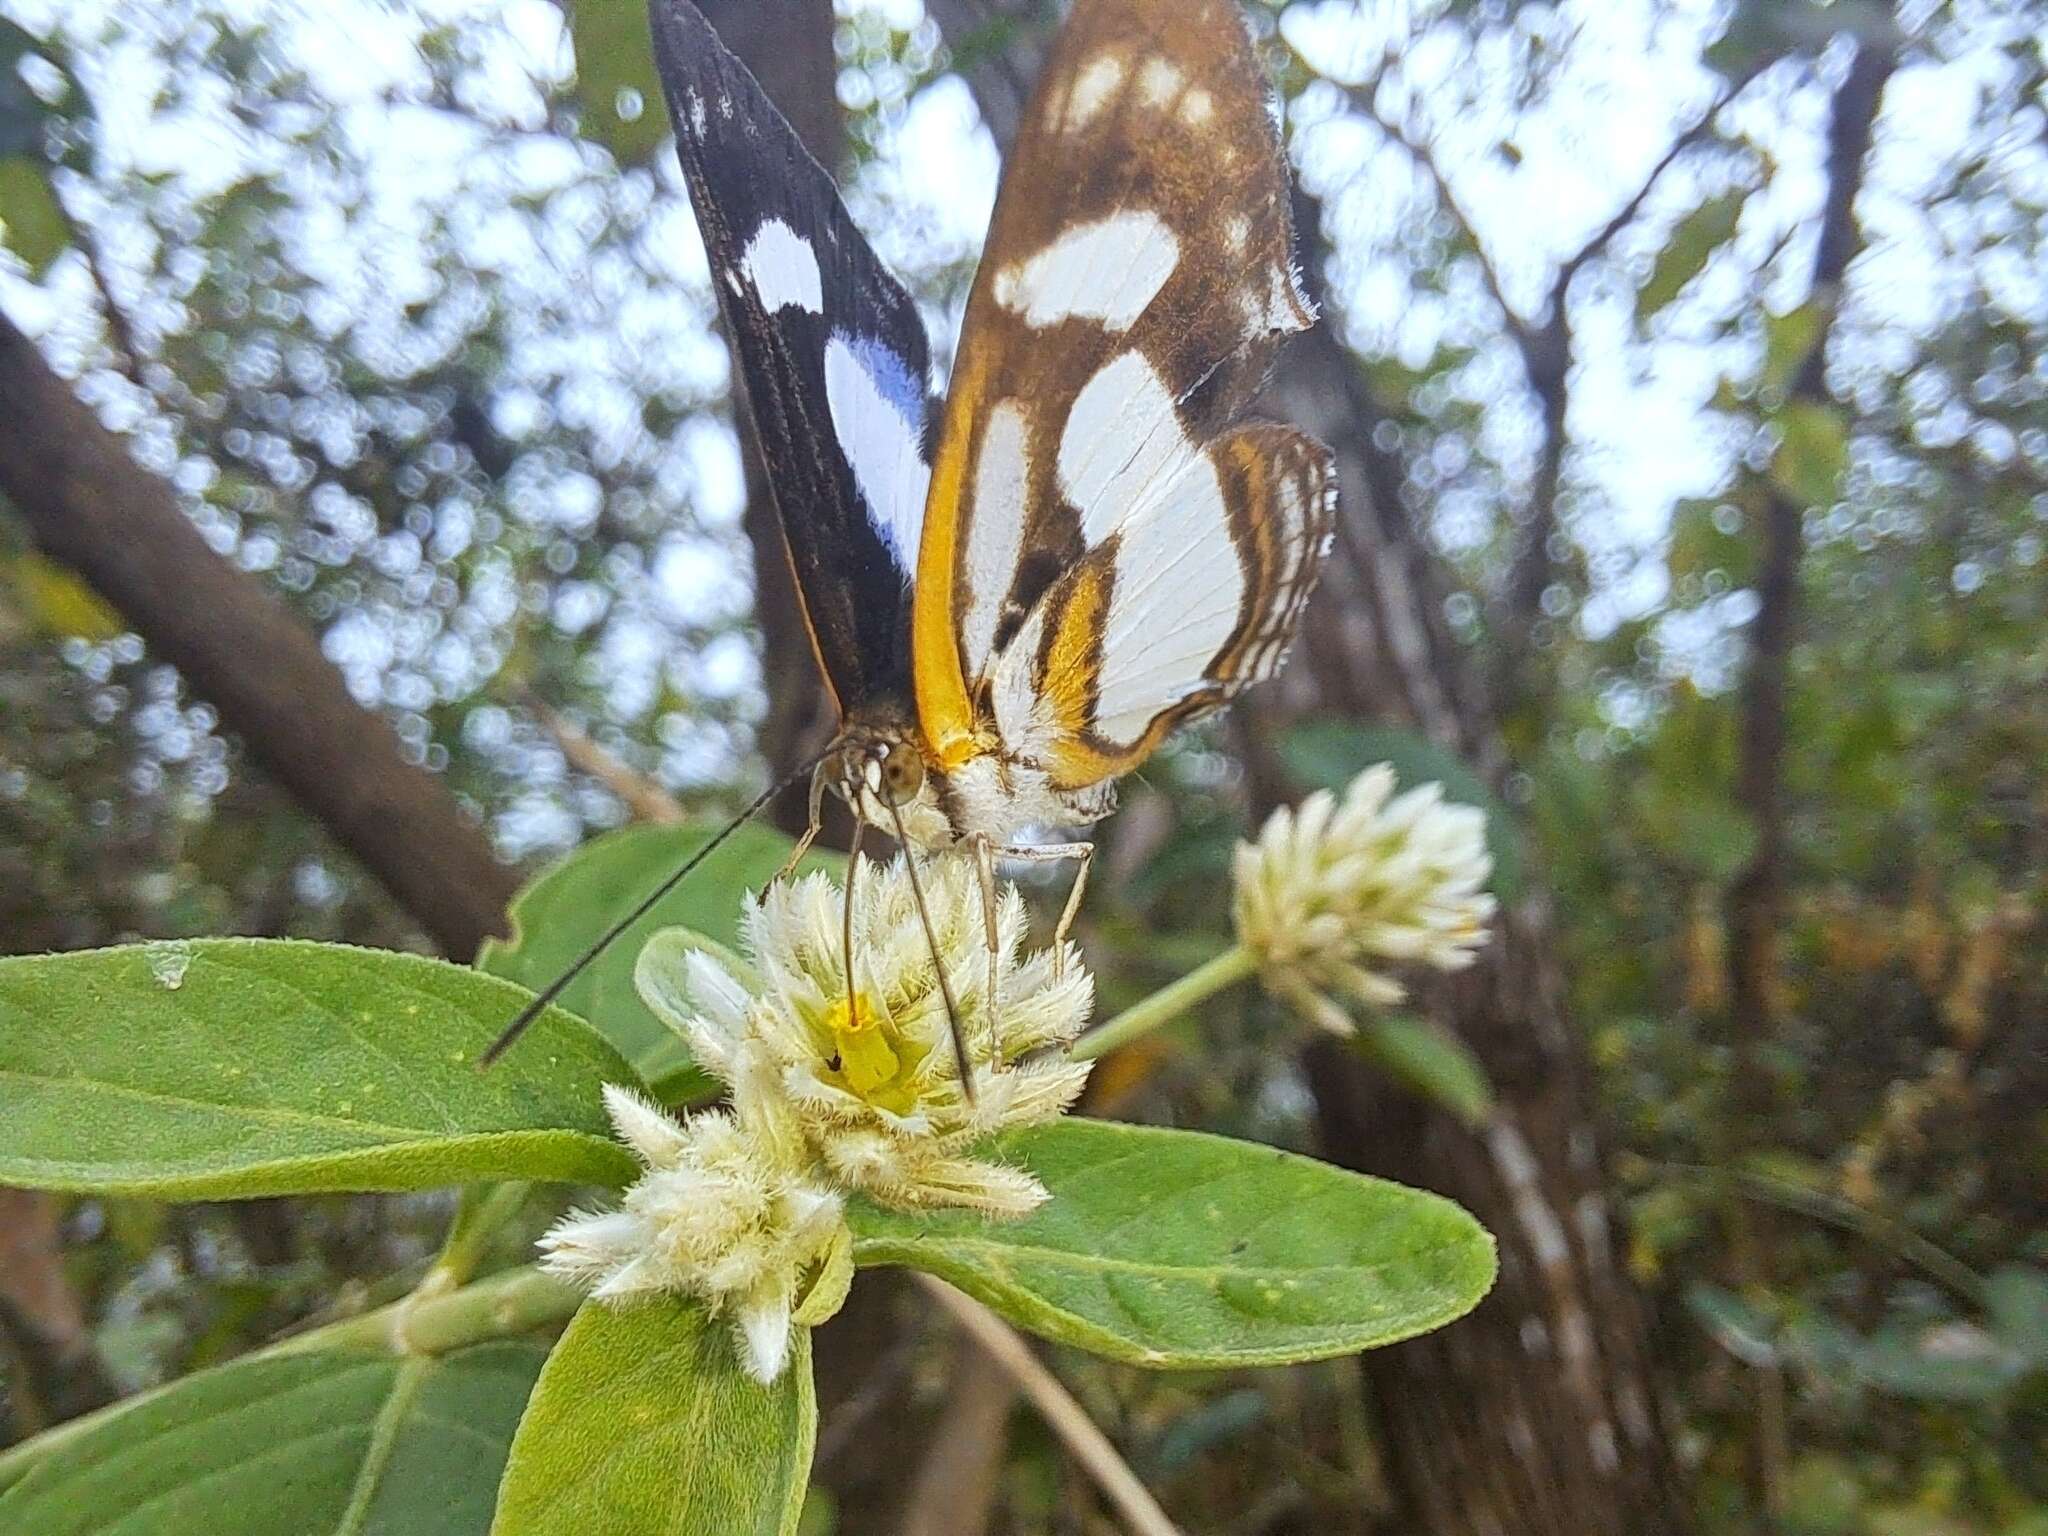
x: 1537, y: 1415
x: 1756, y: 897
x: 90, y: 506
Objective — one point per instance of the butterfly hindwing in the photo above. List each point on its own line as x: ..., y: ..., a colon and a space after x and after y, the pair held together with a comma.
x: 830, y: 350
x: 1105, y: 552
x: 1183, y: 605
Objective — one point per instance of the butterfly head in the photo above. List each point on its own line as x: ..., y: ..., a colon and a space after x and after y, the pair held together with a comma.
x: 882, y: 774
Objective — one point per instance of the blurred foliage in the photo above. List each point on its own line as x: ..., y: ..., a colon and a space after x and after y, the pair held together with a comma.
x: 425, y: 345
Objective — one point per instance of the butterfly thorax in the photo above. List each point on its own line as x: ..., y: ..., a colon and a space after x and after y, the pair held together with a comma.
x: 987, y: 795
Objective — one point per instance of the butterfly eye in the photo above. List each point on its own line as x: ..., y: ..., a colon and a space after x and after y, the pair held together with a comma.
x: 902, y: 772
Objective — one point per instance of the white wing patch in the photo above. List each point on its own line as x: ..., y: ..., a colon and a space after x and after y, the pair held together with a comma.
x: 783, y: 267
x: 1121, y: 446
x: 1107, y: 271
x: 1022, y: 719
x: 1173, y: 604
x: 995, y: 534
x: 876, y: 412
x: 1159, y: 81
x: 1091, y: 91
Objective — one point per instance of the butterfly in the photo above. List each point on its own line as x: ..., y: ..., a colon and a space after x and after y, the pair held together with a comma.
x: 1017, y: 593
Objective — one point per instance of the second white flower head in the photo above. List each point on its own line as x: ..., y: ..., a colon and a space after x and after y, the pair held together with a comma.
x: 1334, y: 889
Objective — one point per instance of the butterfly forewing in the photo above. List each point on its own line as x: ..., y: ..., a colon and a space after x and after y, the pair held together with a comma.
x: 1105, y: 552
x: 830, y: 350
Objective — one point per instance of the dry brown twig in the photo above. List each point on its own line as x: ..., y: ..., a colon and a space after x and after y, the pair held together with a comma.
x: 1066, y: 1418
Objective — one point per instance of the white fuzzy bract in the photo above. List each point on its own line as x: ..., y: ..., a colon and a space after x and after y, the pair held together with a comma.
x: 868, y: 1089
x: 716, y: 1215
x: 1333, y: 889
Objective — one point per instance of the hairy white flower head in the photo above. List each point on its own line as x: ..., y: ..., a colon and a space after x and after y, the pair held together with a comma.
x: 716, y: 1216
x: 868, y: 1089
x: 1333, y: 888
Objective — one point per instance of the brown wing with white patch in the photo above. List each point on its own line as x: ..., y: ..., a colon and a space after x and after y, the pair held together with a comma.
x: 1137, y: 280
x: 1186, y: 603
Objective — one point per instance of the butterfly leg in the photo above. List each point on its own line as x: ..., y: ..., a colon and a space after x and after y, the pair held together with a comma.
x: 1047, y: 853
x: 985, y: 871
x: 814, y: 822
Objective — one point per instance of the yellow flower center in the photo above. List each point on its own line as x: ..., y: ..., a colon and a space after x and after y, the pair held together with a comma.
x: 871, y: 1056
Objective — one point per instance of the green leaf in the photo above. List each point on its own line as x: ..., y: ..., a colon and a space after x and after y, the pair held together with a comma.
x: 223, y: 1068
x: 1787, y: 340
x: 622, y: 107
x: 1688, y: 250
x: 1746, y: 1332
x: 1813, y: 450
x: 1179, y: 1250
x: 284, y: 1445
x: 1708, y: 534
x: 59, y: 603
x: 2017, y: 1299
x: 556, y: 917
x: 33, y: 224
x: 1432, y: 1062
x: 644, y: 1424
x: 1328, y: 754
x: 1698, y: 826
x: 1951, y: 1363
x: 23, y: 115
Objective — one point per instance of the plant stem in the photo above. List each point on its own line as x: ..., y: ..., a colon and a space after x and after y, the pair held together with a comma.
x: 512, y: 1302
x: 484, y: 1208
x: 1167, y: 1004
x: 509, y: 1302
x: 1882, y: 1230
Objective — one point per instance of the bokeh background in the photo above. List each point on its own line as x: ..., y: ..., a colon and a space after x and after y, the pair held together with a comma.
x: 374, y: 525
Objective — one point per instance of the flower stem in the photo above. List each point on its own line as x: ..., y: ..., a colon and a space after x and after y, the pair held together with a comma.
x: 483, y: 1209
x: 1167, y: 1004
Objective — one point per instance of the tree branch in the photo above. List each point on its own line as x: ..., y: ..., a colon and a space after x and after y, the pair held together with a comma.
x: 1545, y: 344
x: 1626, y: 214
x: 52, y: 1370
x: 644, y: 799
x: 1755, y: 898
x: 1547, y: 353
x: 956, y: 1486
x: 1067, y: 1419
x: 1366, y: 99
x: 91, y: 507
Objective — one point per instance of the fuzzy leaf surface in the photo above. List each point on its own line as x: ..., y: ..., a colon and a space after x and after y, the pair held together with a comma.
x: 315, y: 1444
x: 225, y: 1068
x: 1178, y: 1250
x: 644, y: 1424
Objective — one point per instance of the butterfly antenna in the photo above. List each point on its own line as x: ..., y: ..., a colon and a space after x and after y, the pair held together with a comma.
x: 555, y: 988
x: 931, y: 939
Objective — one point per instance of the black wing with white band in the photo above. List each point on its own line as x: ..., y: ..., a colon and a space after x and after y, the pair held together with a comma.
x: 831, y: 353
